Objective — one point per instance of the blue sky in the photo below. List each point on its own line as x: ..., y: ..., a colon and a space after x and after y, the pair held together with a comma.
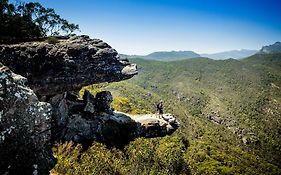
x: 203, y: 26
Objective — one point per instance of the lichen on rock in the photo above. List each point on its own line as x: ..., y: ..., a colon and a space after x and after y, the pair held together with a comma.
x: 25, y: 127
x: 75, y: 122
x: 66, y: 66
x: 29, y: 127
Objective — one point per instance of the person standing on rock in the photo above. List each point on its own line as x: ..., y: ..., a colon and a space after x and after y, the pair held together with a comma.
x: 160, y: 108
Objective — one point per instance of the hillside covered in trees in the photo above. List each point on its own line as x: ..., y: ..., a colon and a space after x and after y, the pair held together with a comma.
x: 229, y: 110
x: 229, y: 113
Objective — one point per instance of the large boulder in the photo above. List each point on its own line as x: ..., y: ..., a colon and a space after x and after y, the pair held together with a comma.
x: 93, y: 119
x: 28, y: 127
x: 155, y: 125
x: 67, y: 65
x: 25, y: 127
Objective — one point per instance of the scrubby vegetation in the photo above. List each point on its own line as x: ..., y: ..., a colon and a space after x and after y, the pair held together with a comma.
x: 243, y: 95
x: 52, y: 40
x: 142, y: 156
x: 246, y: 93
x: 122, y: 101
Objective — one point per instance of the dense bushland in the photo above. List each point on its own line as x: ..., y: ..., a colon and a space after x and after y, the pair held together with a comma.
x: 244, y: 92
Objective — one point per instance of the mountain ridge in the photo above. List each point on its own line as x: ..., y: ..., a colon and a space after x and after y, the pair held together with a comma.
x: 273, y: 48
x: 180, y: 55
x: 235, y: 54
x: 172, y: 55
x: 165, y: 55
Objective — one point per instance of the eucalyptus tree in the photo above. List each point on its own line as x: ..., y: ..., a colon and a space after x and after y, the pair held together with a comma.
x: 31, y: 20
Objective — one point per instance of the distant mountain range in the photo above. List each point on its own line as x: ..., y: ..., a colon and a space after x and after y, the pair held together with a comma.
x: 181, y: 55
x: 236, y: 54
x: 173, y: 55
x: 165, y: 55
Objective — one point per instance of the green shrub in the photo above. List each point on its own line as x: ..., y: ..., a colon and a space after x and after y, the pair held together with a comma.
x: 52, y: 40
x: 142, y: 156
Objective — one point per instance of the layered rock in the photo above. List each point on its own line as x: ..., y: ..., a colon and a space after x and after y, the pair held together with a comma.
x: 155, y: 125
x: 28, y: 127
x: 93, y: 119
x: 67, y: 65
x: 25, y: 125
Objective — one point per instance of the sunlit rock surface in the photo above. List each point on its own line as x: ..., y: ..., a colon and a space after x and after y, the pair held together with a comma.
x: 29, y: 127
x: 67, y: 65
x: 92, y: 119
x: 155, y: 125
x: 25, y: 127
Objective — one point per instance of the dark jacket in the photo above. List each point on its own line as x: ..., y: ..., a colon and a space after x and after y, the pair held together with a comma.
x: 160, y: 108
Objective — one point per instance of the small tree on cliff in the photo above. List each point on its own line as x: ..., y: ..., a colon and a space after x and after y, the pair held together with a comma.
x: 30, y: 21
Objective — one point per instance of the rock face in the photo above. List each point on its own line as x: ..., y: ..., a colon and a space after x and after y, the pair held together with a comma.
x: 25, y: 125
x: 154, y: 125
x: 66, y: 66
x: 28, y: 127
x: 92, y: 118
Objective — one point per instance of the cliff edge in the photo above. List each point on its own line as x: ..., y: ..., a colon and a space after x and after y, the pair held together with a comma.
x: 67, y: 65
x: 38, y: 107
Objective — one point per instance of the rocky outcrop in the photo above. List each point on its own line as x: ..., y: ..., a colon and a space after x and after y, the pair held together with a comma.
x: 216, y: 118
x: 29, y: 127
x: 155, y: 125
x: 67, y: 65
x: 25, y: 127
x: 246, y: 136
x: 93, y: 119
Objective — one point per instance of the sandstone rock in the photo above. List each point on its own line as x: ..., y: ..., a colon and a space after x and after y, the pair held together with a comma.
x: 28, y: 127
x: 89, y: 100
x: 66, y: 66
x: 153, y: 125
x: 103, y: 102
x: 25, y: 125
x: 105, y: 125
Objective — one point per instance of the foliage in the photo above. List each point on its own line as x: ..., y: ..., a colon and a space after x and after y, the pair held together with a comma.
x: 245, y: 92
x: 210, y: 158
x: 142, y: 156
x: 120, y: 102
x: 52, y: 40
x: 93, y: 89
x: 30, y: 20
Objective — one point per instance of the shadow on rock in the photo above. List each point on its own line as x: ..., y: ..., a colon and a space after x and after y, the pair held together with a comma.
x: 93, y: 119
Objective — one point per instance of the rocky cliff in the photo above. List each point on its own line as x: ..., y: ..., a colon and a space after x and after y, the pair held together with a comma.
x: 25, y: 125
x: 92, y: 119
x: 67, y: 65
x: 29, y: 127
